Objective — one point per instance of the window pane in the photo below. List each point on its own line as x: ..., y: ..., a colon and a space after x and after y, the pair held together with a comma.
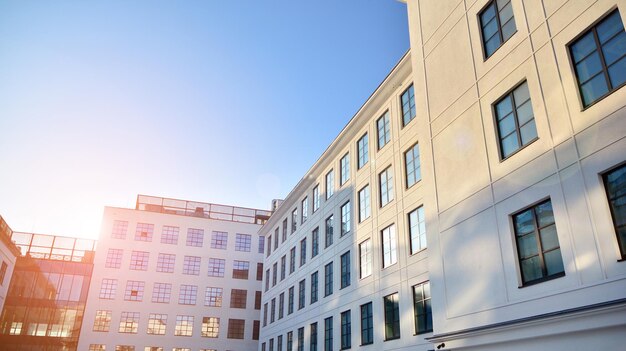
x: 549, y: 239
x: 614, y: 48
x: 583, y: 47
x: 528, y: 132
x: 507, y: 125
x: 609, y: 26
x: 527, y: 245
x: 531, y: 269
x: 509, y: 145
x: 589, y: 67
x: 554, y: 262
x: 617, y: 72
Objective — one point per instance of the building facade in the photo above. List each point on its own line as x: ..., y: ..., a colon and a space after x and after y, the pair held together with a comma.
x: 46, y: 299
x: 8, y: 255
x: 476, y: 201
x: 176, y: 275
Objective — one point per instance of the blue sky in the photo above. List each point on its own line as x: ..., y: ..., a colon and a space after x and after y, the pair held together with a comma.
x: 220, y: 101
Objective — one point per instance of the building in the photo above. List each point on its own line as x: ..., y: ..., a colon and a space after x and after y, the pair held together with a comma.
x: 46, y: 299
x: 8, y: 255
x: 475, y: 201
x: 176, y: 275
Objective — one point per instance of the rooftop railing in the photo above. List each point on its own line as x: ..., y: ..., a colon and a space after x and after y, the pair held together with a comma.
x: 52, y: 247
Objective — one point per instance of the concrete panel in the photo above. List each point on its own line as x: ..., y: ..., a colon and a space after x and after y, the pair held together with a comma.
x: 434, y: 13
x: 566, y: 153
x: 525, y: 176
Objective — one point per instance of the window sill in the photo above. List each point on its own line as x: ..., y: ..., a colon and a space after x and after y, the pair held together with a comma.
x: 516, y: 151
x: 393, y: 338
x: 544, y: 279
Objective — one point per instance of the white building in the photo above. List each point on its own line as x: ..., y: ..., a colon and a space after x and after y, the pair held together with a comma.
x: 8, y: 256
x: 485, y: 174
x: 176, y: 275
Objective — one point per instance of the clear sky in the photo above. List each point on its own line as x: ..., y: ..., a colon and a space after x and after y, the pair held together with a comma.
x: 223, y: 101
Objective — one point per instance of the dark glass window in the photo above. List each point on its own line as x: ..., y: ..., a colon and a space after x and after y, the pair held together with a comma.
x: 314, y: 283
x: 301, y: 339
x: 422, y: 312
x: 315, y: 242
x: 515, y: 121
x: 362, y: 147
x: 292, y: 260
x: 241, y: 269
x: 615, y: 185
x: 407, y: 101
x: 392, y: 316
x: 367, y: 324
x: 329, y: 231
x: 238, y: 298
x: 328, y: 334
x: 290, y: 300
x: 346, y: 330
x: 345, y: 270
x: 328, y: 279
x: 412, y: 165
x: 497, y: 25
x: 301, y: 294
x: 313, y: 337
x: 344, y: 169
x: 599, y: 59
x: 302, y: 252
x: 384, y: 131
x: 236, y: 328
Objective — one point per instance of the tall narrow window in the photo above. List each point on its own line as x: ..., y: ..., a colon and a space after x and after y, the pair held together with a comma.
x: 301, y: 339
x: 283, y: 267
x: 290, y: 300
x: 392, y: 316
x: 346, y: 330
x: 261, y: 244
x: 615, y: 185
x: 290, y: 341
x: 497, y: 25
x: 281, y: 305
x: 599, y: 56
x: 407, y: 99
x: 362, y: 148
x: 257, y: 300
x: 315, y: 242
x: 294, y: 220
x: 328, y: 334
x: 367, y: 324
x: 344, y: 169
x: 345, y: 218
x: 364, y: 203
x: 412, y: 165
x: 313, y: 337
x: 273, y: 310
x: 284, y: 238
x: 329, y: 232
x: 422, y: 311
x: 384, y: 131
x: 316, y: 198
x: 330, y: 184
x: 537, y: 243
x: 292, y: 260
x: 390, y: 254
x: 417, y: 229
x: 305, y: 209
x: 276, y: 237
x: 269, y: 246
x: 515, y: 119
x: 302, y: 252
x: 385, y: 181
x: 365, y: 254
x: 301, y: 294
x: 274, y: 273
x: 328, y: 279
x: 345, y: 270
x: 314, y: 284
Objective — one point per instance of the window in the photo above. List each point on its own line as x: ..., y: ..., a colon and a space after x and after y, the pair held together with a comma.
x: 184, y: 326
x: 274, y: 273
x: 219, y: 240
x: 301, y: 339
x: 216, y: 267
x: 615, y: 186
x: 139, y: 260
x: 314, y: 283
x: 315, y: 242
x: 187, y: 294
x: 537, y: 243
x: 316, y: 198
x: 273, y: 310
x: 407, y: 100
x: 497, y: 25
x: 236, y: 328
x: 386, y: 186
x: 292, y: 260
x: 313, y: 337
x: 276, y: 239
x: 269, y: 246
x: 271, y: 345
x: 365, y: 258
x: 157, y: 324
x: 124, y: 348
x: 243, y: 242
x: 281, y: 305
x: 362, y: 151
x: 195, y: 237
x: 364, y: 203
x: 210, y: 327
x: 392, y: 316
x: 384, y: 132
x: 367, y: 324
x: 422, y: 311
x: 144, y: 232
x: 390, y: 247
x: 412, y: 165
x: 241, y: 269
x: 344, y: 169
x: 329, y: 232
x: 119, y: 229
x: 129, y: 322
x: 191, y: 265
x: 213, y: 296
x: 345, y: 218
x: 328, y: 279
x: 265, y: 314
x: 346, y: 330
x: 345, y: 270
x: 256, y: 330
x: 598, y: 56
x: 328, y: 334
x: 261, y: 244
x: 302, y: 252
x: 290, y: 300
x: 259, y: 271
x: 294, y: 220
x: 102, y: 321
x: 283, y: 267
x: 289, y: 341
x: 134, y: 290
x: 515, y: 120
x: 301, y: 293
x: 238, y: 298
x: 114, y: 258
x: 330, y: 184
x: 169, y: 235
x: 257, y: 300
x: 165, y: 263
x: 417, y: 230
x: 267, y: 279
x: 3, y: 272
x: 97, y: 347
x: 161, y: 292
x: 305, y: 210
x: 284, y: 238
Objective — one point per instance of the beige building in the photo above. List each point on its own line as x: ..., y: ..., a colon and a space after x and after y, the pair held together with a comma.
x: 8, y: 256
x: 176, y: 275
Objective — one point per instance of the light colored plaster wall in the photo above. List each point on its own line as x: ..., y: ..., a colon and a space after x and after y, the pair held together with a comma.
x: 9, y: 258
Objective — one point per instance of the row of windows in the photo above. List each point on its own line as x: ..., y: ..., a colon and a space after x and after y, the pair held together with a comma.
x: 416, y: 234
x: 183, y: 326
x: 422, y: 322
x: 195, y: 236
x: 102, y: 347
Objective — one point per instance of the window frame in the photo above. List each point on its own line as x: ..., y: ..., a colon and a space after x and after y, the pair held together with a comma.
x: 604, y: 175
x: 402, y: 112
x: 480, y: 29
x: 362, y: 151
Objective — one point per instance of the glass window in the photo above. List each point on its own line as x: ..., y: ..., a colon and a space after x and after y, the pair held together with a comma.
x: 139, y: 260
x: 362, y: 149
x: 316, y: 198
x: 301, y: 293
x: 157, y: 324
x: 407, y: 100
x: 119, y: 229
x: 269, y: 246
x: 390, y: 247
x: 417, y: 229
x: 328, y: 279
x: 305, y: 210
x: 241, y: 269
x: 315, y: 242
x: 216, y: 267
x: 114, y: 258
x: 210, y: 327
x: 313, y: 337
x: 367, y: 324
x: 330, y: 184
x: 274, y: 273
x: 345, y: 270
x: 261, y: 244
x: 187, y: 294
x: 329, y: 231
x: 108, y: 289
x: 364, y: 203
x: 238, y: 298
x: 243, y: 242
x: 422, y: 311
x: 144, y: 232
x: 283, y: 267
x: 256, y: 330
x: 257, y: 300
x: 346, y: 330
x: 314, y: 283
x: 615, y: 186
x: 365, y: 255
x: 384, y: 131
x: 191, y: 265
x: 328, y: 334
x: 289, y: 341
x: 169, y: 235
x: 292, y: 260
x: 302, y: 252
x: 345, y: 218
x: 102, y: 322
x: 599, y: 59
x: 273, y: 310
x: 213, y: 296
x: 259, y: 271
x: 276, y: 238
x: 301, y: 339
x: 219, y: 240
x: 195, y: 237
x: 386, y: 186
x: 284, y: 230
x: 184, y: 326
x: 344, y: 169
x: 129, y: 322
x: 497, y: 25
x: 97, y: 347
x: 392, y: 316
x: 236, y: 328
x: 165, y: 263
x: 161, y: 292
x: 290, y: 300
x: 538, y: 248
x: 134, y: 290
x: 294, y: 220
x: 515, y: 121
x: 265, y: 314
x: 412, y: 165
x: 281, y: 305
